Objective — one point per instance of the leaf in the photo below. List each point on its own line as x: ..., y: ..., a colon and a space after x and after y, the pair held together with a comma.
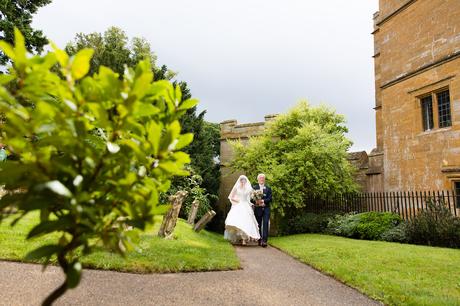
x: 100, y: 113
x: 154, y: 135
x: 182, y: 158
x: 81, y: 63
x: 144, y: 109
x: 183, y: 141
x: 113, y: 147
x: 43, y: 251
x: 71, y: 105
x: 73, y: 275
x: 61, y: 56
x: 20, y: 47
x: 7, y: 49
x: 172, y: 133
x: 77, y: 180
x: 187, y: 104
x: 178, y: 94
x: 56, y: 187
x: 143, y: 79
x: 46, y: 227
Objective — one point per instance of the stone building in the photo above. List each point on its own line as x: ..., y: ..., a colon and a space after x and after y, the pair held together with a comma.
x: 417, y: 97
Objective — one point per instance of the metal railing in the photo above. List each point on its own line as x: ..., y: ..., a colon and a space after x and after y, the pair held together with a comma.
x: 407, y: 204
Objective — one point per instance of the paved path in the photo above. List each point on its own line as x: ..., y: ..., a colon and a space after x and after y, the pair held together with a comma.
x: 268, y: 277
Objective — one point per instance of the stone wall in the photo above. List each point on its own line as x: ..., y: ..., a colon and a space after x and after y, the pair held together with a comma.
x: 360, y: 161
x: 417, y: 52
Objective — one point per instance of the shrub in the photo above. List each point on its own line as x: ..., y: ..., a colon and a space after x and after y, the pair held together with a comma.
x: 306, y: 223
x: 436, y: 226
x: 396, y: 234
x: 369, y: 225
x: 191, y: 184
x: 342, y: 225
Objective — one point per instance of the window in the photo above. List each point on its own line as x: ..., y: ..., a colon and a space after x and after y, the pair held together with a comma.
x: 457, y: 193
x: 427, y: 113
x: 436, y: 105
x: 443, y: 98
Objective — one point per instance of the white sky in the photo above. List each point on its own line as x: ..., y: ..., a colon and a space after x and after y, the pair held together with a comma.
x: 247, y: 58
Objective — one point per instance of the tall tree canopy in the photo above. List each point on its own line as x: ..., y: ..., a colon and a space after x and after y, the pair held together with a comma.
x: 18, y: 13
x: 304, y: 153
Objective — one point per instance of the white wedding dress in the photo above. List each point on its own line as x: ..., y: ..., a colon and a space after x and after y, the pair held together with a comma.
x: 241, y: 224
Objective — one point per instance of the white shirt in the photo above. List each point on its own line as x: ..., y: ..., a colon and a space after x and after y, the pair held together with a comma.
x: 261, y: 187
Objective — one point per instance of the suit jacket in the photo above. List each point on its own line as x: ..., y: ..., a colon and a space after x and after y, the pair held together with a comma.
x: 267, y: 194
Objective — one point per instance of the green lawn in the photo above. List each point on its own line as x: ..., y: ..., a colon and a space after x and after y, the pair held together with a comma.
x: 396, y: 274
x: 190, y: 251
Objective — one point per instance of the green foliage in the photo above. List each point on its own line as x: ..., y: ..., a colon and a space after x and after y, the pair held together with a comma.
x: 191, y: 184
x: 305, y: 223
x: 369, y: 225
x: 435, y: 226
x: 94, y: 152
x: 396, y: 234
x: 203, y: 151
x: 304, y: 153
x: 113, y: 50
x: 18, y: 14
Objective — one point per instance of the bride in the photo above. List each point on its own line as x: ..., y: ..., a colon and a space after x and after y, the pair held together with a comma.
x: 241, y: 224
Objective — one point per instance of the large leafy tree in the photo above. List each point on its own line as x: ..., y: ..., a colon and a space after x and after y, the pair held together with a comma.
x: 93, y: 152
x: 18, y: 13
x: 304, y: 154
x: 115, y: 50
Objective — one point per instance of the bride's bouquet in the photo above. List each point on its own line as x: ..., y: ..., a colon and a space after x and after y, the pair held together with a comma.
x: 257, y: 195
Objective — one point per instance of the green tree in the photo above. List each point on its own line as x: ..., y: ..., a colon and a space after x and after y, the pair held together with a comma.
x: 303, y: 152
x: 18, y: 13
x: 94, y: 152
x: 113, y: 49
x: 204, y: 150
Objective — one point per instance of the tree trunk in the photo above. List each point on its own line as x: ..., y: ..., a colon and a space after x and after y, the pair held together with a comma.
x: 193, y: 212
x: 170, y: 219
x: 204, y: 220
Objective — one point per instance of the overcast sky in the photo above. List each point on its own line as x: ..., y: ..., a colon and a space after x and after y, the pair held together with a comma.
x: 247, y: 58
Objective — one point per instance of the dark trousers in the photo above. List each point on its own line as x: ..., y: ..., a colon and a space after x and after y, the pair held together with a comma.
x: 263, y: 217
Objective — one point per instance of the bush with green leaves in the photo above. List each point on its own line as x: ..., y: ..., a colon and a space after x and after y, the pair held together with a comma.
x: 93, y: 152
x: 369, y: 225
x: 304, y: 154
x: 396, y: 234
x: 192, y: 184
x: 305, y: 223
x: 435, y: 226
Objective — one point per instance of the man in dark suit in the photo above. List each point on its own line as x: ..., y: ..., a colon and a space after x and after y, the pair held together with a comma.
x: 262, y: 209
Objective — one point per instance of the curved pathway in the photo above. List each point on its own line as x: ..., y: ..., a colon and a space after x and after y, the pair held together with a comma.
x: 268, y: 277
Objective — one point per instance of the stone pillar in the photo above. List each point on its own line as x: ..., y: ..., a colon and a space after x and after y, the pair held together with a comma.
x: 193, y: 212
x: 204, y: 220
x: 170, y: 219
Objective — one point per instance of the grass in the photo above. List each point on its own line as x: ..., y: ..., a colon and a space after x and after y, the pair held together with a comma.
x: 189, y: 251
x: 396, y: 274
